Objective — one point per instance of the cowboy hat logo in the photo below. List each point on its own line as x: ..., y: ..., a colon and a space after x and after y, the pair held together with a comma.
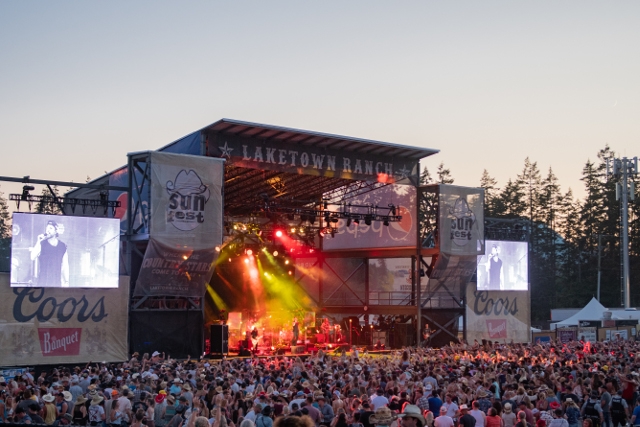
x: 187, y: 198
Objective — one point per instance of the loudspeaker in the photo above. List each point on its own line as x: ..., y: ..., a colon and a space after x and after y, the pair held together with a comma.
x: 219, y: 339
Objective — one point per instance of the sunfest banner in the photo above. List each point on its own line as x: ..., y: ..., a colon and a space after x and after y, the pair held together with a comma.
x: 498, y: 315
x: 185, y: 225
x: 62, y: 325
x: 461, y: 220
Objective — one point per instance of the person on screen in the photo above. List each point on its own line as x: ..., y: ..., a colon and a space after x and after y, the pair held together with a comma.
x: 53, y: 260
x: 496, y: 275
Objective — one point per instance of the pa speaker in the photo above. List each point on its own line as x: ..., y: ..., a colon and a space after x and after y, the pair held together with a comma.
x: 219, y: 339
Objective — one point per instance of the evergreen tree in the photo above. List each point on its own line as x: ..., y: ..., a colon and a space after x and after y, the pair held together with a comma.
x: 46, y: 207
x: 444, y: 175
x: 490, y: 193
x: 5, y: 234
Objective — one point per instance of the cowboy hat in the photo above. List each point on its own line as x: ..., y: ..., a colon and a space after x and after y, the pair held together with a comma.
x: 48, y: 398
x: 67, y: 396
x: 160, y: 398
x: 383, y: 416
x: 96, y: 400
x: 464, y: 407
x: 482, y: 394
x: 80, y: 400
x: 413, y: 411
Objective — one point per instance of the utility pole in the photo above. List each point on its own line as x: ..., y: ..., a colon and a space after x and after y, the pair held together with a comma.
x: 600, y: 236
x: 621, y: 170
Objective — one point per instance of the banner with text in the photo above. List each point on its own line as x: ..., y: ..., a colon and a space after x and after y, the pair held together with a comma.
x: 62, y: 325
x: 185, y: 225
x: 498, y: 315
x: 461, y: 220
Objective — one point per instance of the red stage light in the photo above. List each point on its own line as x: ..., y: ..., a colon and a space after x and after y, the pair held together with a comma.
x: 249, y: 252
x: 279, y: 233
x: 290, y: 272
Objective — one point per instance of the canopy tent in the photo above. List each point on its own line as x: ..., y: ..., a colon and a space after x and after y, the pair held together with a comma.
x: 592, y: 311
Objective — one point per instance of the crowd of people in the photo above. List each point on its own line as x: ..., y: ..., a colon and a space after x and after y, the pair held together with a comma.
x: 462, y: 385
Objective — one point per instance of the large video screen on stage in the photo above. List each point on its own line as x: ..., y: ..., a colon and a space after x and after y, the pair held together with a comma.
x: 503, y: 267
x: 54, y: 251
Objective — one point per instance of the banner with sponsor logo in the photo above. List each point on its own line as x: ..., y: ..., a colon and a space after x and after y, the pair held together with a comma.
x: 185, y: 225
x: 461, y: 220
x: 498, y: 315
x: 377, y: 235
x: 62, y: 325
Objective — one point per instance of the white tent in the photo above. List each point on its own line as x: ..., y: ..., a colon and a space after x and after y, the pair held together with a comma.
x: 592, y: 311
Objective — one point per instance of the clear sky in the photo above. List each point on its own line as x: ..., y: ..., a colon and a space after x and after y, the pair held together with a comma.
x: 486, y: 82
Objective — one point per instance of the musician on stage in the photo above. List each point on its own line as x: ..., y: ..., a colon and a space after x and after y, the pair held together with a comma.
x: 426, y: 336
x: 296, y: 331
x: 254, y: 340
x: 326, y: 327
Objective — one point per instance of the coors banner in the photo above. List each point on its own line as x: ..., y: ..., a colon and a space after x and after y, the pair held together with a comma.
x: 62, y: 325
x: 185, y: 225
x: 498, y: 315
x: 461, y: 220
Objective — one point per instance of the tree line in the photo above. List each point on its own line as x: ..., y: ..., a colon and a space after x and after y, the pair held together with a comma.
x: 564, y: 230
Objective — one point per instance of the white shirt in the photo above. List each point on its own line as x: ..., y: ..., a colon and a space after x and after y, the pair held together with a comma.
x: 379, y: 402
x: 443, y: 421
x: 451, y: 409
x: 250, y: 416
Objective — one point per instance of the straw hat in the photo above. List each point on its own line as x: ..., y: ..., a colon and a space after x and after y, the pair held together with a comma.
x: 80, y: 400
x: 67, y: 396
x: 96, y: 400
x: 383, y: 416
x: 48, y: 398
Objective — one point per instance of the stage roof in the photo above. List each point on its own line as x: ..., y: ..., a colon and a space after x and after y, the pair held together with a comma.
x: 317, y: 139
x: 245, y: 186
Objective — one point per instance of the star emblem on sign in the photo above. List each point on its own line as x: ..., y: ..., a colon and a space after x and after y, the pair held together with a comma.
x: 404, y: 172
x: 226, y: 150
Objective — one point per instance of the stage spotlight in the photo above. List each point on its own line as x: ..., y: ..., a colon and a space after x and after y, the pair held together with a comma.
x: 290, y: 272
x: 217, y: 248
x: 279, y: 233
x: 334, y: 219
x: 185, y: 257
x: 266, y: 274
x: 249, y: 252
x: 235, y: 226
x: 348, y: 222
x: 356, y: 220
x: 229, y: 259
x: 385, y: 222
x: 275, y: 253
x: 293, y: 229
x: 367, y: 219
x: 246, y: 260
x: 287, y: 262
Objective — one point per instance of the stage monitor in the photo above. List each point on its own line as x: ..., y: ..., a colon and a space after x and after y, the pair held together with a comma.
x: 503, y: 267
x: 54, y: 251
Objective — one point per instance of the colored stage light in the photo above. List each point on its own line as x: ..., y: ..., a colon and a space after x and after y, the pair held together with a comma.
x: 217, y: 248
x: 249, y: 252
x: 275, y: 253
x: 286, y: 262
x: 386, y: 222
x: 184, y: 257
x: 293, y: 229
x: 279, y: 233
x: 348, y: 222
x: 246, y: 260
x: 290, y: 272
x: 229, y: 259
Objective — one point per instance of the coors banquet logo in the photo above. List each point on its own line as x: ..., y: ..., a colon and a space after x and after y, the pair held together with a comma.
x: 187, y: 197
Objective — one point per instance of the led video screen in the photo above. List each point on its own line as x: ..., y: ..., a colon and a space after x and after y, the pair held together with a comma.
x: 56, y: 251
x: 503, y: 267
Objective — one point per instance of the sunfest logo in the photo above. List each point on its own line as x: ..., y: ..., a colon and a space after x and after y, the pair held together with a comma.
x: 462, y: 222
x: 188, y: 196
